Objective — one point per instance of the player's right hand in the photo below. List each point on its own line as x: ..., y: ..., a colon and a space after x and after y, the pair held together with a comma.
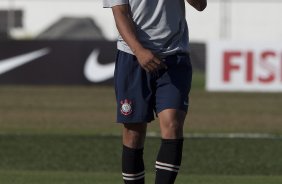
x: 148, y: 61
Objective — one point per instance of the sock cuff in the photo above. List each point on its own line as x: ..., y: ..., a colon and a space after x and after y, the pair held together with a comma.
x: 134, y: 151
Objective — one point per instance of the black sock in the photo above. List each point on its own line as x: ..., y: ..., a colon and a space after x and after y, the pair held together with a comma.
x: 168, y: 161
x: 133, y: 171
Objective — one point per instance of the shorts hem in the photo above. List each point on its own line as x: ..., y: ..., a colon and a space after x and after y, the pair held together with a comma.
x: 176, y: 108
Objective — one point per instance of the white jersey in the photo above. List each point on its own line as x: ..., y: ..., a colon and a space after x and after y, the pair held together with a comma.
x: 160, y: 25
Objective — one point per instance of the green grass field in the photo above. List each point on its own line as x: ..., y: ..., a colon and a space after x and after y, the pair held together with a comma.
x: 67, y: 134
x: 45, y: 177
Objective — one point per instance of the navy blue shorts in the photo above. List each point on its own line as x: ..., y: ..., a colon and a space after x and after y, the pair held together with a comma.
x: 140, y: 94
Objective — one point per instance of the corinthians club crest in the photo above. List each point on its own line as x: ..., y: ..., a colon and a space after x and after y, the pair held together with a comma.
x: 126, y: 107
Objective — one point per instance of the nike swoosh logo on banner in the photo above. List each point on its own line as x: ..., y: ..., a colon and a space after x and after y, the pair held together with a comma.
x: 17, y: 61
x: 94, y: 71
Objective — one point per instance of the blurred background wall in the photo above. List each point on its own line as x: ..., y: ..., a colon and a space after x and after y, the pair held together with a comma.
x: 223, y: 19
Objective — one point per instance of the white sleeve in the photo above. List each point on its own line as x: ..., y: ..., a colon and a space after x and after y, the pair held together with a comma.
x: 111, y: 3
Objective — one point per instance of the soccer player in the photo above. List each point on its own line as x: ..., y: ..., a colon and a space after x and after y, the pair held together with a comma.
x: 152, y: 75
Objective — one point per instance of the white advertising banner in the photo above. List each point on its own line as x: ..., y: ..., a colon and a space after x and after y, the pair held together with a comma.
x: 243, y: 66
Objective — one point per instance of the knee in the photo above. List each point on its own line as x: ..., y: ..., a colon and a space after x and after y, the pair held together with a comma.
x: 171, y: 124
x: 134, y: 137
x: 172, y: 130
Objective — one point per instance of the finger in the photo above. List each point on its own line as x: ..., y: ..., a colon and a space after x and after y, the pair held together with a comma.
x: 160, y: 63
x: 154, y: 65
x: 149, y: 68
x: 146, y: 69
x: 157, y: 60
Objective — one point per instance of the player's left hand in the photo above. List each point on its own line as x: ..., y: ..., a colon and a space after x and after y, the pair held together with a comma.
x: 148, y: 61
